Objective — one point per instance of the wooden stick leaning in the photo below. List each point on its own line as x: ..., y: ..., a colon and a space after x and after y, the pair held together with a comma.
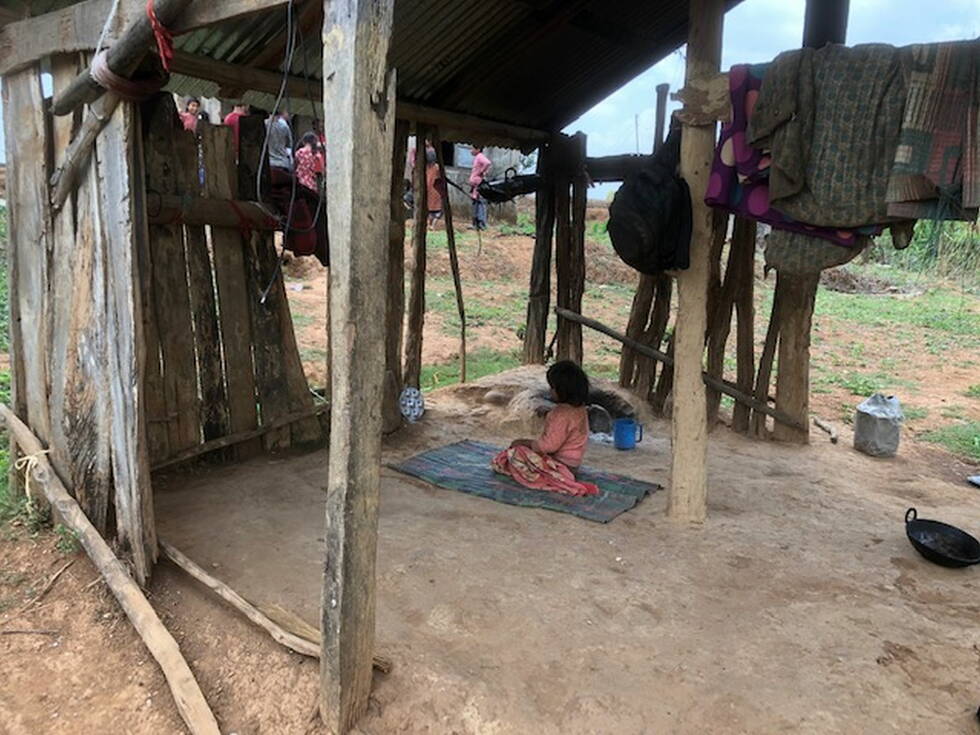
x: 305, y: 642
x: 447, y: 208
x: 722, y: 386
x: 187, y: 694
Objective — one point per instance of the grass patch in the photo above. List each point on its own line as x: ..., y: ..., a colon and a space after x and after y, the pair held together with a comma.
x: 914, y: 413
x: 524, y: 226
x: 962, y: 439
x: 953, y: 412
x: 302, y: 320
x: 862, y: 384
x: 973, y: 391
x: 479, y: 364
x: 312, y: 354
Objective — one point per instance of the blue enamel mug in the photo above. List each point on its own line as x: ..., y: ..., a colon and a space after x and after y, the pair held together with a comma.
x: 626, y: 433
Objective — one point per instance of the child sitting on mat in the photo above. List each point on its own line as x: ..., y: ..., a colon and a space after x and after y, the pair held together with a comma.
x: 551, y: 461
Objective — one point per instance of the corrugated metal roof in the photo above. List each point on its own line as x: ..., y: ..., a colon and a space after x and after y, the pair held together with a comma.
x: 536, y: 63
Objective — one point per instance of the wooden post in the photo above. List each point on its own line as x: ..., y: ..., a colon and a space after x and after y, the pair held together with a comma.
x: 825, y: 22
x: 765, y: 364
x: 416, y: 296
x: 743, y: 240
x: 658, y: 134
x: 793, y: 371
x: 360, y: 93
x: 687, y: 501
x: 576, y: 284
x: 395, y: 302
x: 631, y: 367
x: 539, y: 291
x: 653, y: 336
x: 447, y: 209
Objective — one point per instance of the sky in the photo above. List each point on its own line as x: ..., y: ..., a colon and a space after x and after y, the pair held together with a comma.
x: 756, y: 31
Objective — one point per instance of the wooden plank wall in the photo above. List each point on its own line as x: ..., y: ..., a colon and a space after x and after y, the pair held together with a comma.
x: 75, y: 317
x: 227, y: 362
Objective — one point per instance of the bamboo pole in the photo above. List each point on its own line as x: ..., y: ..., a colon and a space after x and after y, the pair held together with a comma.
x: 447, y: 209
x: 187, y: 694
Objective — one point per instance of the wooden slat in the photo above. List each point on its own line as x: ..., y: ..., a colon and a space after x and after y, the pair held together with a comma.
x: 259, y: 266
x: 267, y: 351
x: 563, y: 249
x: 360, y: 94
x: 395, y: 299
x: 653, y: 335
x: 799, y: 293
x: 80, y: 411
x: 416, y: 295
x: 30, y: 238
x: 215, y: 146
x: 298, y: 396
x: 169, y: 290
x: 233, y: 297
x: 539, y: 288
x: 226, y: 213
x: 121, y: 186
x: 743, y: 240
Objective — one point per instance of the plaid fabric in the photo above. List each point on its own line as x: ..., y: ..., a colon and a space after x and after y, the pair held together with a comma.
x: 831, y: 118
x: 936, y: 174
x: 791, y: 252
x: 465, y: 466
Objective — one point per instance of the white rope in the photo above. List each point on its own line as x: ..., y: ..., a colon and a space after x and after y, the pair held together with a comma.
x: 108, y: 22
x: 27, y: 464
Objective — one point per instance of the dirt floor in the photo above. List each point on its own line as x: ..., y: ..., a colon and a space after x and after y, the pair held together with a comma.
x: 798, y: 607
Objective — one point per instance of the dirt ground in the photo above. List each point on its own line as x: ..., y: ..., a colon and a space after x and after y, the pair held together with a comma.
x: 798, y: 607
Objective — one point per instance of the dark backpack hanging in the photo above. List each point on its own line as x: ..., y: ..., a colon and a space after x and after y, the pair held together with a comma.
x: 650, y: 216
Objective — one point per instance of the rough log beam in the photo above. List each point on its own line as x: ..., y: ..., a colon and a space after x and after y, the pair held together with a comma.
x: 77, y: 27
x: 615, y: 168
x: 688, y: 499
x: 170, y: 209
x: 359, y: 91
x: 122, y: 58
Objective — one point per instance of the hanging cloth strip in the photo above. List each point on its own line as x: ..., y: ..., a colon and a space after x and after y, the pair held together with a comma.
x: 739, y: 180
x: 164, y: 38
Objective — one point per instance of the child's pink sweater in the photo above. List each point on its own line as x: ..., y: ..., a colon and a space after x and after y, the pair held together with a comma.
x: 566, y: 432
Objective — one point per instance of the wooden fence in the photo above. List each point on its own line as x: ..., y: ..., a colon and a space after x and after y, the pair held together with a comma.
x: 220, y: 361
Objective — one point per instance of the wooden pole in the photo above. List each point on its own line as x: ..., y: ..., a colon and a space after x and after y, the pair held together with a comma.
x: 687, y: 501
x: 825, y: 21
x: 395, y: 302
x: 416, y: 294
x: 576, y: 284
x: 539, y: 290
x: 447, y: 209
x: 187, y: 694
x: 765, y: 363
x: 793, y: 372
x: 658, y: 134
x: 653, y: 336
x: 122, y: 58
x: 640, y: 315
x: 359, y: 91
x: 743, y: 240
x: 723, y: 386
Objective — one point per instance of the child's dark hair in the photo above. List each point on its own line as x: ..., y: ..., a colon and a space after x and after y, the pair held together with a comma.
x: 309, y: 139
x: 570, y: 383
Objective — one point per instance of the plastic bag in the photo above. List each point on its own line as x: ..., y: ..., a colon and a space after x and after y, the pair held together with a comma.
x: 877, y: 426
